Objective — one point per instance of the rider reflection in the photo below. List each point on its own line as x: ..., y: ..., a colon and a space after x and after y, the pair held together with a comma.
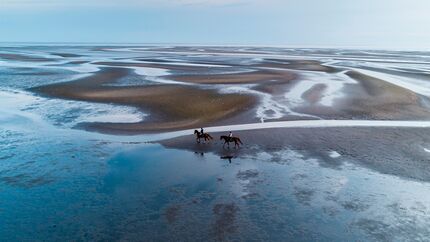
x: 227, y: 157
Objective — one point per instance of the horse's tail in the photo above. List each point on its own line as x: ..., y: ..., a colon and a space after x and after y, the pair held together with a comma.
x: 209, y: 136
x: 240, y: 141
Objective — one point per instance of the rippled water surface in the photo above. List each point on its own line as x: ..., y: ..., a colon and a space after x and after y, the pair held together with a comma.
x: 61, y: 183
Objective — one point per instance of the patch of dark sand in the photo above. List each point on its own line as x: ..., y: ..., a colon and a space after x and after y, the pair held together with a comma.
x: 225, y: 216
x: 77, y: 62
x: 153, y: 60
x: 302, y: 65
x: 25, y: 180
x: 67, y: 55
x: 188, y: 61
x: 156, y: 65
x: 171, y: 213
x: 375, y: 229
x: 355, y: 205
x: 383, y: 100
x: 170, y: 106
x: 394, y: 151
x: 250, y: 177
x: 238, y: 78
x: 25, y: 58
x: 315, y: 93
x: 246, y: 175
x: 303, y: 195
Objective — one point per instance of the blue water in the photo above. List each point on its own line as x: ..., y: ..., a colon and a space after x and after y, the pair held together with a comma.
x: 74, y: 188
x: 63, y: 184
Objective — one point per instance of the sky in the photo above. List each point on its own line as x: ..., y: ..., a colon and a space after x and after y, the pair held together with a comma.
x: 385, y: 24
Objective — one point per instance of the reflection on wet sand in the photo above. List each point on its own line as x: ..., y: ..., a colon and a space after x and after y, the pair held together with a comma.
x: 227, y: 157
x: 314, y: 180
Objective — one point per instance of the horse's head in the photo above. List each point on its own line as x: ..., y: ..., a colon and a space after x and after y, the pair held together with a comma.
x: 195, y: 131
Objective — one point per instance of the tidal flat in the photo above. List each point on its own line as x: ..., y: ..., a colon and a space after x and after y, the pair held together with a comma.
x: 96, y: 143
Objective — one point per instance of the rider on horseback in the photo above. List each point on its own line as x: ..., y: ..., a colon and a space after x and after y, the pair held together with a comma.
x: 202, y: 135
x: 230, y: 135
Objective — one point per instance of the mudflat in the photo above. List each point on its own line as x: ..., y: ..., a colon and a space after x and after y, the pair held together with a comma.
x: 170, y: 106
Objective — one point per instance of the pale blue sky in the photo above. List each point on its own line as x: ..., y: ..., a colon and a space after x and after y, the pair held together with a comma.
x: 336, y: 23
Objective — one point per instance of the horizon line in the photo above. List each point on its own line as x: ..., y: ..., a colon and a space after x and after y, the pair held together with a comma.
x: 357, y: 47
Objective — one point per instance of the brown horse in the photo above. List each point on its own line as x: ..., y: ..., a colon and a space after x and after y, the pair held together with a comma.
x: 199, y: 136
x: 227, y: 140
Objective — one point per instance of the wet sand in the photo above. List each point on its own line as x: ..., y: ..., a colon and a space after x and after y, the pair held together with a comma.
x: 394, y: 151
x: 155, y: 65
x: 66, y: 55
x: 303, y: 65
x: 266, y: 87
x: 260, y: 76
x: 25, y: 58
x: 367, y: 182
x: 370, y: 98
x: 170, y: 106
x: 315, y: 93
x: 383, y: 100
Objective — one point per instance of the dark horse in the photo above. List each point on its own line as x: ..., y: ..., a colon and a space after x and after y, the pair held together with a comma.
x: 199, y: 136
x: 227, y: 140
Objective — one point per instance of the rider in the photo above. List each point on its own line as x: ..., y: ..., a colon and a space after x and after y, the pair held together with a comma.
x: 201, y: 131
x: 230, y: 135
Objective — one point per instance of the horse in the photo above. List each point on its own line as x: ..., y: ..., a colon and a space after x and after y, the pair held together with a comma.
x: 205, y: 136
x: 227, y: 140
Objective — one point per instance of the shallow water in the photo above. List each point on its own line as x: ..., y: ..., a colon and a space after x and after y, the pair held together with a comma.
x: 113, y: 191
x: 59, y: 183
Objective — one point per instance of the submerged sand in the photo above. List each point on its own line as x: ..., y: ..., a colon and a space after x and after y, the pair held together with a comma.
x: 395, y: 151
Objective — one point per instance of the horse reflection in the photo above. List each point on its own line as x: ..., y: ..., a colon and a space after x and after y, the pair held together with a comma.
x: 227, y: 157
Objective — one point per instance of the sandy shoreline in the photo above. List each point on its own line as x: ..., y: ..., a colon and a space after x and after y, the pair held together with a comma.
x: 366, y: 146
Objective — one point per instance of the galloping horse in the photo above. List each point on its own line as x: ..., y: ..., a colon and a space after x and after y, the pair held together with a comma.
x: 199, y: 135
x: 227, y: 141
